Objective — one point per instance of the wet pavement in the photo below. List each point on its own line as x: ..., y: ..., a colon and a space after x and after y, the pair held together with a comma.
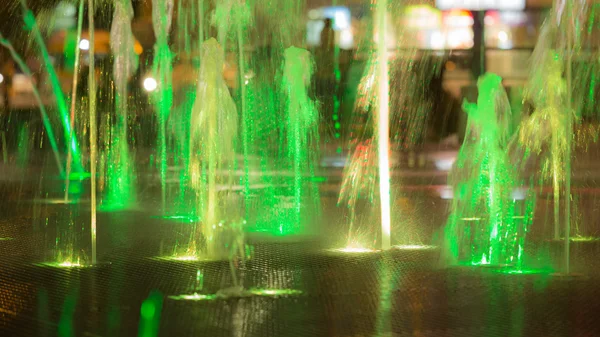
x: 401, y: 292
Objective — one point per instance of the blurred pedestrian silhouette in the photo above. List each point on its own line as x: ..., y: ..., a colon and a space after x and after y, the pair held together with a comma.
x: 325, y: 74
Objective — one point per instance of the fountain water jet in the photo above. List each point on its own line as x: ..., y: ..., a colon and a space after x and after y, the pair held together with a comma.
x: 212, y: 151
x: 162, y: 12
x: 481, y: 229
x: 93, y: 127
x: 74, y: 95
x: 383, y: 125
x: 45, y: 119
x: 121, y: 178
x: 301, y: 124
x: 61, y: 103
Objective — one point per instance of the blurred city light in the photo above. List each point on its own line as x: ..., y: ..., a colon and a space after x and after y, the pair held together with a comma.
x: 1, y: 78
x: 502, y: 36
x: 150, y: 84
x: 84, y: 44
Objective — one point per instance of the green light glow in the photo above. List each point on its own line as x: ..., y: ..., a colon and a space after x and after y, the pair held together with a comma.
x: 65, y: 325
x: 301, y: 126
x: 244, y: 293
x: 45, y: 119
x: 483, y: 228
x: 61, y: 102
x: 162, y: 12
x: 79, y: 176
x: 214, y: 127
x: 148, y: 310
x: 512, y: 270
x: 150, y: 313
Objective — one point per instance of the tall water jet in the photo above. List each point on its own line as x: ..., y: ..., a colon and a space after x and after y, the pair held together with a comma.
x: 383, y: 124
x: 301, y: 126
x: 93, y: 126
x: 36, y: 94
x: 70, y: 137
x: 242, y: 19
x: 212, y: 152
x: 546, y: 125
x: 482, y: 228
x: 74, y: 95
x: 162, y: 12
x: 551, y: 124
x: 269, y: 205
x: 360, y: 180
x: 121, y: 178
x: 234, y: 18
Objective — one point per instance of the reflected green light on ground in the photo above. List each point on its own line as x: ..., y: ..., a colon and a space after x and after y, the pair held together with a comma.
x: 281, y: 230
x: 509, y: 270
x: 521, y: 271
x: 150, y: 313
x: 247, y: 293
x: 113, y: 206
x: 526, y: 271
x: 6, y: 239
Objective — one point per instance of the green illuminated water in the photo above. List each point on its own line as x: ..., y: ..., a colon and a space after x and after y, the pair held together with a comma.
x: 162, y: 12
x: 301, y: 128
x: 482, y: 228
x: 61, y: 102
x: 212, y: 154
x: 75, y: 47
x: 93, y: 130
x: 563, y: 96
x: 45, y: 119
x: 120, y: 190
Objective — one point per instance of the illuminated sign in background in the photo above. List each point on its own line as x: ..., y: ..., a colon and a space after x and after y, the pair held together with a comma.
x: 478, y: 5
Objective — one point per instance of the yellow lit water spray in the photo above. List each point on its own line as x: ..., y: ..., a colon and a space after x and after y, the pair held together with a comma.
x: 383, y: 125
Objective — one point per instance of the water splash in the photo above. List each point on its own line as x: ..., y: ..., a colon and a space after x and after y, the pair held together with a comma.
x: 162, y: 12
x: 482, y: 228
x: 69, y: 134
x: 120, y: 171
x: 301, y: 128
x: 359, y: 181
x: 212, y: 152
x: 546, y: 125
x: 45, y: 119
x: 75, y: 83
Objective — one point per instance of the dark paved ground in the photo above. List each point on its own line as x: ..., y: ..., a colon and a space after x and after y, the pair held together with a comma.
x: 396, y: 293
